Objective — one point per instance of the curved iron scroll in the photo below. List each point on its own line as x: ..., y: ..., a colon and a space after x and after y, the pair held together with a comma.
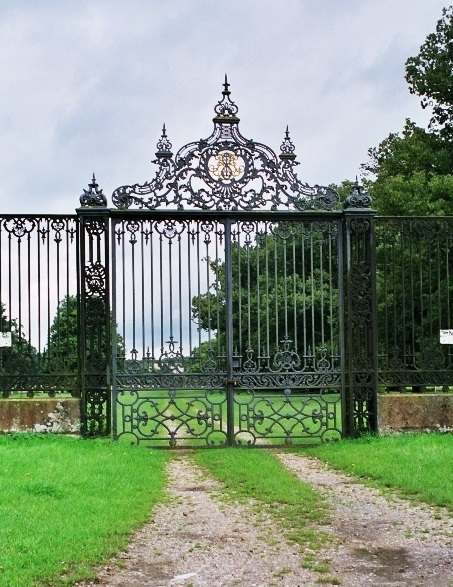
x: 225, y: 172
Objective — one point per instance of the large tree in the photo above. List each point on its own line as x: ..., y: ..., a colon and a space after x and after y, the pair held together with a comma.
x: 411, y: 173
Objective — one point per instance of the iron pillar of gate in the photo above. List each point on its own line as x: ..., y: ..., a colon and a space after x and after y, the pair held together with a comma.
x: 94, y: 312
x: 360, y: 414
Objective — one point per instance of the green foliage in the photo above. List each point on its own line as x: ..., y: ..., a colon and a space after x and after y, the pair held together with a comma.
x: 61, y: 355
x: 21, y: 357
x: 412, y: 173
x: 415, y: 464
x: 57, y: 522
x: 430, y: 74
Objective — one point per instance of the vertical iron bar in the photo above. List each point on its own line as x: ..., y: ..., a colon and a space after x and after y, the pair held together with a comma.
x: 180, y: 289
x: 239, y: 287
x: 143, y: 311
x: 321, y: 285
x: 304, y: 296
x: 294, y: 277
x: 161, y: 285
x: 229, y: 331
x: 189, y: 286
x: 114, y: 382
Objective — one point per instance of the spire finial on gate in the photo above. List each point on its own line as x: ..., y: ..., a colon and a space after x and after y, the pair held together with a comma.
x: 226, y: 85
x: 287, y: 148
x: 225, y: 108
x: 164, y: 146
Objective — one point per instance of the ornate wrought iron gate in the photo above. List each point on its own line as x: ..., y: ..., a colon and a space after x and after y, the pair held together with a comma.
x: 228, y: 299
x: 234, y: 327
x: 223, y: 303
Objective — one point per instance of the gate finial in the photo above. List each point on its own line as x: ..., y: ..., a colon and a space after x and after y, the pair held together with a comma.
x: 93, y: 196
x: 358, y: 198
x: 226, y: 85
x: 287, y: 148
x: 164, y: 146
x: 225, y: 108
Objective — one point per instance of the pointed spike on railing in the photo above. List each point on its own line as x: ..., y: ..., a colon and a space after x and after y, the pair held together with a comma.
x: 226, y: 85
x: 164, y: 145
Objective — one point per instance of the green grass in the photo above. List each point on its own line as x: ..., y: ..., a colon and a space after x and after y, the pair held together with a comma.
x: 417, y: 465
x: 296, y: 507
x: 67, y: 504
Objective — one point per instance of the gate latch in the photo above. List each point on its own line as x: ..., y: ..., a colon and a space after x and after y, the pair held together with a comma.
x: 233, y: 382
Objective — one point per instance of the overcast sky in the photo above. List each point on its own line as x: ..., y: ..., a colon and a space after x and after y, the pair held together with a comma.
x: 87, y: 85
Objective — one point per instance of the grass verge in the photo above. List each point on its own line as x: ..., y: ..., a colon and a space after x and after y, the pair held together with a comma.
x: 417, y: 465
x: 259, y: 475
x: 68, y: 504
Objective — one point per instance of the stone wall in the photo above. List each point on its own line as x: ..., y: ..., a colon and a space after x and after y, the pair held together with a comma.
x: 397, y: 412
x: 40, y: 415
x: 418, y: 412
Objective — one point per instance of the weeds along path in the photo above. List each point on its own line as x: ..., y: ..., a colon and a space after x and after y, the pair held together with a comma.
x: 198, y: 540
x: 379, y: 539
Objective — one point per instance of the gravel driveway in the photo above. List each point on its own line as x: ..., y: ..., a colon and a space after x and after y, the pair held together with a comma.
x: 199, y: 540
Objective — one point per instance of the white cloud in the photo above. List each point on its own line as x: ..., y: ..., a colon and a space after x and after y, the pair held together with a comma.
x: 86, y: 86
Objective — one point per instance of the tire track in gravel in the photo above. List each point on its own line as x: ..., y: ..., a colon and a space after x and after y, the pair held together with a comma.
x: 379, y: 539
x: 198, y: 540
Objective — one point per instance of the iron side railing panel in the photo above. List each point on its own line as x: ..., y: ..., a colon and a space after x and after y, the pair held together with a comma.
x: 38, y: 305
x: 415, y: 299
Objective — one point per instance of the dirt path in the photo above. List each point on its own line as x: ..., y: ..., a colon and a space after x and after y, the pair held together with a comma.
x: 198, y: 540
x: 380, y: 541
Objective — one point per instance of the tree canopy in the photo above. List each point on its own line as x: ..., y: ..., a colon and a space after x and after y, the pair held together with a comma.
x: 430, y: 75
x: 411, y: 173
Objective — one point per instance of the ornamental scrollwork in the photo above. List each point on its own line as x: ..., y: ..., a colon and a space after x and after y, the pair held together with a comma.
x: 95, y: 226
x: 19, y: 227
x: 286, y: 358
x: 94, y: 279
x: 226, y: 171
